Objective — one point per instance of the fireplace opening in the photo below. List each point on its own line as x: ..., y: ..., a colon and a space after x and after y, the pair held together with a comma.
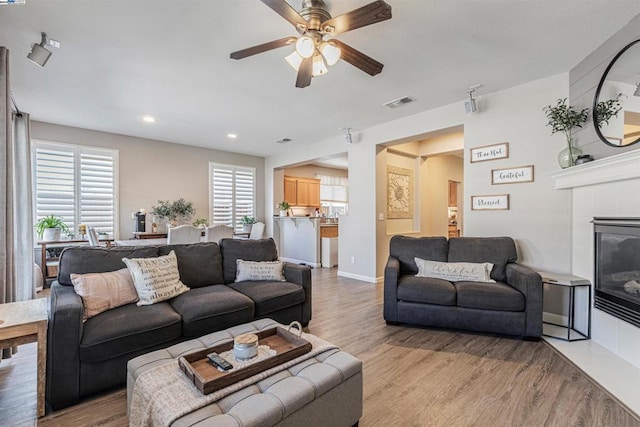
x: 617, y: 267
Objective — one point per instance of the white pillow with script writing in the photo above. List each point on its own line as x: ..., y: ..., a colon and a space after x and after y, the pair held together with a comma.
x: 265, y: 270
x: 455, y: 271
x: 156, y: 279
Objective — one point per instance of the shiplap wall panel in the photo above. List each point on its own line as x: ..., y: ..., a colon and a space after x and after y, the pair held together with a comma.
x: 584, y: 79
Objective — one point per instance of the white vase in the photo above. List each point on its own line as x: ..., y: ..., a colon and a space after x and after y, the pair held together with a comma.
x: 283, y: 213
x: 50, y: 234
x: 568, y: 156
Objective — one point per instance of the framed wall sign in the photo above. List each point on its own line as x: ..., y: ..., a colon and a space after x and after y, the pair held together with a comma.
x: 497, y: 202
x: 512, y: 175
x: 399, y: 192
x: 490, y: 152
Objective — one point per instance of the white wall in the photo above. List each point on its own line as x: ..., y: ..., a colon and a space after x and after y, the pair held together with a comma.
x: 538, y: 218
x: 436, y: 173
x: 152, y: 170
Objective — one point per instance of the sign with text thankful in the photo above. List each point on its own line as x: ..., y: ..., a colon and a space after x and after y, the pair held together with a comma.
x: 490, y: 152
x: 512, y: 175
x: 490, y: 203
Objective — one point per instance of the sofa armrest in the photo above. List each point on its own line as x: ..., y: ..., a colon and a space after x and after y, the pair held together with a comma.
x: 301, y: 275
x: 63, y: 346
x: 529, y: 283
x: 391, y: 275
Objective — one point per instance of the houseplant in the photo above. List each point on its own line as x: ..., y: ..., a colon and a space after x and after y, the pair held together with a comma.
x: 201, y: 222
x: 605, y: 110
x: 247, y: 221
x: 283, y: 206
x: 565, y: 118
x: 50, y: 227
x: 172, y: 213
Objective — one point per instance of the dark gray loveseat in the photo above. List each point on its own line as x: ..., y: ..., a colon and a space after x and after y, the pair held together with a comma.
x: 512, y: 305
x: 85, y: 358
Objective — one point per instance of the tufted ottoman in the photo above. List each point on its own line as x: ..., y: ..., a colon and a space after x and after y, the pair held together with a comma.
x: 325, y: 390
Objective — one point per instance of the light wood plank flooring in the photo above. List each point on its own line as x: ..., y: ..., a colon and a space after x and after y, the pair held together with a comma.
x: 412, y: 376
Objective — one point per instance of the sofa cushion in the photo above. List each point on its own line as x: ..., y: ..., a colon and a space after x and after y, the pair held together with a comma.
x: 426, y: 290
x: 405, y: 249
x: 271, y: 296
x: 489, y: 296
x: 103, y: 291
x: 245, y: 249
x: 211, y: 308
x: 497, y: 250
x: 128, y: 329
x: 156, y: 279
x: 200, y: 264
x: 88, y: 259
x: 455, y: 271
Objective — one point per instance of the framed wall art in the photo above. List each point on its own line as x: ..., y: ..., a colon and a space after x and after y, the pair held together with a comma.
x: 512, y: 175
x: 399, y: 193
x: 489, y: 152
x: 497, y: 202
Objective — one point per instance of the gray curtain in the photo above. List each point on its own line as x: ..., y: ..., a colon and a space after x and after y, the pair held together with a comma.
x: 16, y: 229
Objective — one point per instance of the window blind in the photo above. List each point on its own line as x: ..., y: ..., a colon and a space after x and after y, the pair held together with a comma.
x: 232, y: 194
x: 76, y: 183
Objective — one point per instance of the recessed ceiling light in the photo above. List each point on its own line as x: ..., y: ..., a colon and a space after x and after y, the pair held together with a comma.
x: 148, y: 119
x: 232, y: 135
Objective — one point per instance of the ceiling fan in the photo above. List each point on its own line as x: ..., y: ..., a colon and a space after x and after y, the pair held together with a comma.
x: 313, y: 52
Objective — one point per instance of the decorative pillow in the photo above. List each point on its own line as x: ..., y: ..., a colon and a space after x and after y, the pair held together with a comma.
x: 104, y: 291
x: 265, y: 270
x: 455, y: 271
x: 156, y: 279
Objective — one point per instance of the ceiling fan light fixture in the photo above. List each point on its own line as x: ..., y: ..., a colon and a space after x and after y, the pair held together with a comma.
x: 330, y: 52
x: 319, y: 67
x: 294, y: 60
x: 305, y: 46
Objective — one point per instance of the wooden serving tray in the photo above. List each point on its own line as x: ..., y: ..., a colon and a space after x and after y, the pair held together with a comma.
x: 208, y: 379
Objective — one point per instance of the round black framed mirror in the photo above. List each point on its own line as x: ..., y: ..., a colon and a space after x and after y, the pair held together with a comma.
x: 616, y: 105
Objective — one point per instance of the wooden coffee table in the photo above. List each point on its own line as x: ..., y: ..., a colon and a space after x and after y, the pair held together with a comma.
x: 24, y: 322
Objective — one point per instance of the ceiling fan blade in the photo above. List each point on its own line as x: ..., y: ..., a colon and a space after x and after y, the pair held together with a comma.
x: 282, y: 8
x: 262, y: 48
x: 304, y: 73
x: 358, y: 59
x: 366, y: 15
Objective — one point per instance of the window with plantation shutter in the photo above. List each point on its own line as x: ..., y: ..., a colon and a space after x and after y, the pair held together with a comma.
x: 232, y: 194
x: 77, y: 183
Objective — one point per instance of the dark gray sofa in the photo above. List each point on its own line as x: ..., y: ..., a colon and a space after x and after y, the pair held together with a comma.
x: 85, y: 358
x: 512, y: 305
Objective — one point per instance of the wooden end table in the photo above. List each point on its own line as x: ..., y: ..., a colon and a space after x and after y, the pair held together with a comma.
x: 24, y: 322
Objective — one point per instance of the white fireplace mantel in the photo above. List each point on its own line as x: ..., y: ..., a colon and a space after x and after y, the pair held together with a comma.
x: 610, y: 169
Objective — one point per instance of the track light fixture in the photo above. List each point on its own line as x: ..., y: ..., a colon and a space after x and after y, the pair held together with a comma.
x: 39, y: 54
x: 637, y: 92
x: 347, y: 135
x: 470, y: 104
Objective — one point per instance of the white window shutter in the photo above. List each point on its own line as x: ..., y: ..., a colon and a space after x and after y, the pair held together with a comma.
x: 232, y: 194
x: 55, y: 184
x: 97, y: 195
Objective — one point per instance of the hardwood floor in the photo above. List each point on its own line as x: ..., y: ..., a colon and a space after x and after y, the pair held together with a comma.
x: 412, y: 376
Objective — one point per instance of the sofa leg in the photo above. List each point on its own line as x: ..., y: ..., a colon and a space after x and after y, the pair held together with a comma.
x: 392, y: 323
x: 533, y: 339
x: 356, y: 424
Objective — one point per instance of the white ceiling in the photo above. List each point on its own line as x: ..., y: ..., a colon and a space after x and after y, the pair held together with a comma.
x: 122, y: 59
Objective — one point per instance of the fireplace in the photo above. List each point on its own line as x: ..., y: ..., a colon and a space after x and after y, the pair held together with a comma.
x: 617, y: 267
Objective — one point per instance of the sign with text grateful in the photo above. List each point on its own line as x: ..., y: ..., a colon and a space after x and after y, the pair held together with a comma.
x: 512, y: 175
x: 490, y: 152
x: 498, y: 202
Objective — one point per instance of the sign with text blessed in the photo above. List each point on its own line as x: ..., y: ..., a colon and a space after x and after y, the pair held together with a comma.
x: 490, y: 152
x: 490, y: 203
x: 512, y: 175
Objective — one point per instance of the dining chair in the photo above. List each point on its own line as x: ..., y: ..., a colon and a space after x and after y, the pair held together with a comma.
x: 216, y: 232
x: 257, y: 230
x: 183, y: 234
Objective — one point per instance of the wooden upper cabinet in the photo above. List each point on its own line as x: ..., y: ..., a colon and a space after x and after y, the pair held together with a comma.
x: 304, y: 192
x: 291, y: 190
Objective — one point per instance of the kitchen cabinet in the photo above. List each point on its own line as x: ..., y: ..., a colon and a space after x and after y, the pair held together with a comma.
x: 302, y: 192
x: 328, y: 231
x: 453, y: 194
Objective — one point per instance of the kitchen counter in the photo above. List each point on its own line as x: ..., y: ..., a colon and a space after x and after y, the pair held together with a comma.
x: 298, y: 239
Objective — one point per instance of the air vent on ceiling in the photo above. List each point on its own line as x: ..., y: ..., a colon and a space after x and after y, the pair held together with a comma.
x: 399, y: 102
x: 283, y: 140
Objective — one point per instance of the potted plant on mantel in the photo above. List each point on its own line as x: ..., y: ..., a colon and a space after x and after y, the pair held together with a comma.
x: 50, y: 228
x: 565, y: 118
x: 170, y: 213
x: 247, y: 221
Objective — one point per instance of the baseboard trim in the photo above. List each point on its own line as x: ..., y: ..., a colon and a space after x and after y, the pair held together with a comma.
x: 357, y: 277
x: 299, y: 261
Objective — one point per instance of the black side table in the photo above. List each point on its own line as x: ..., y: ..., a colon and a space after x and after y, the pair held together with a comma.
x: 568, y: 282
